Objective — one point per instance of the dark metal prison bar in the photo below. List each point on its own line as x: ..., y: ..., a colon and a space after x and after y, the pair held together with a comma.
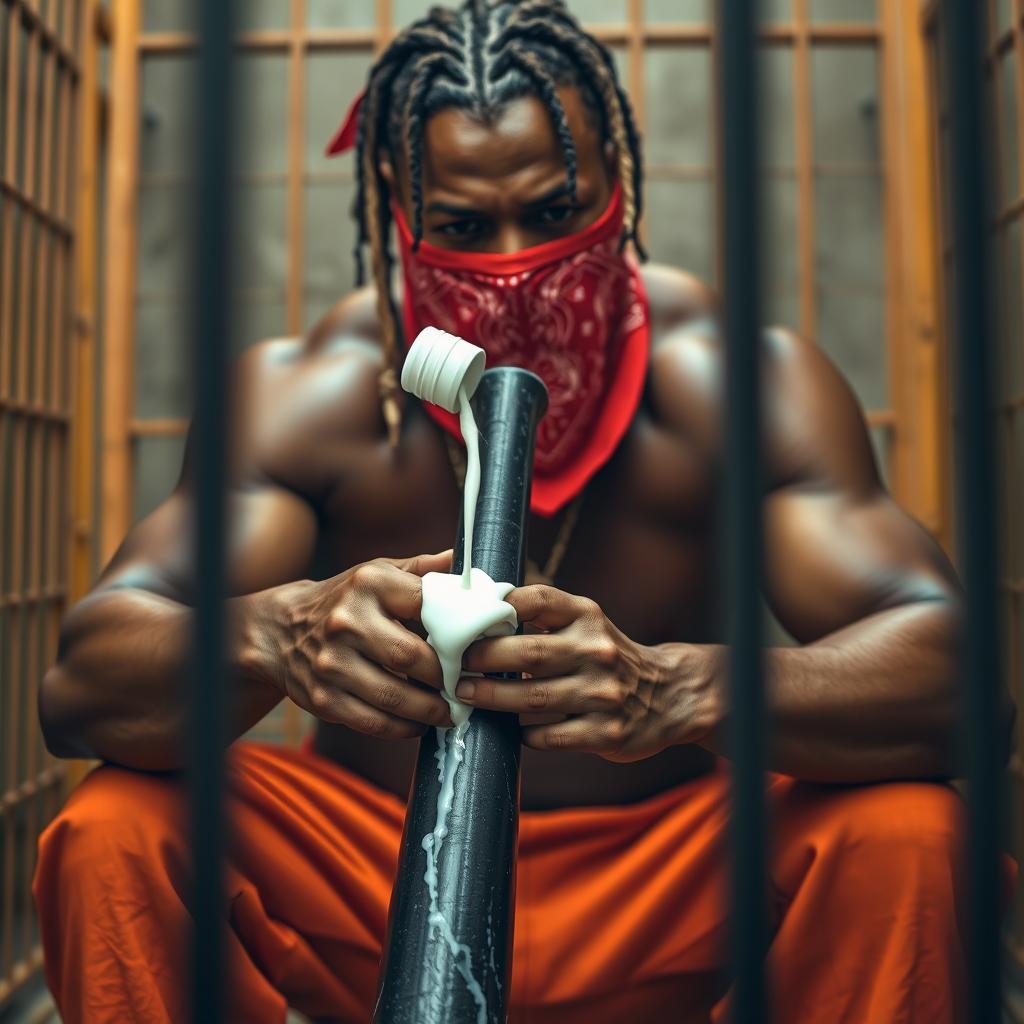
x: 420, y: 979
x: 742, y: 554
x: 962, y: 23
x: 211, y: 288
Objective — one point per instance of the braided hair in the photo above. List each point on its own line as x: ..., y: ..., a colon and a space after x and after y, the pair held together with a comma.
x: 477, y: 57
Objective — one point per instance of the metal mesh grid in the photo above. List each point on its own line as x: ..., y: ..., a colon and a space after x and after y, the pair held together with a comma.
x: 39, y: 78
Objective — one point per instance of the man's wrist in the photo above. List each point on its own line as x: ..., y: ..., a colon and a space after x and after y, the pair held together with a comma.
x: 260, y: 625
x: 694, y: 679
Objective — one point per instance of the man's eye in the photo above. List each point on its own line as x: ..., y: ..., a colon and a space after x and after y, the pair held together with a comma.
x: 555, y: 214
x: 460, y: 228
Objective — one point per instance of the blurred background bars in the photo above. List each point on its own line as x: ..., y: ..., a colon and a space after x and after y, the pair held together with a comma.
x: 741, y: 552
x: 210, y: 291
x: 971, y: 333
x: 856, y: 240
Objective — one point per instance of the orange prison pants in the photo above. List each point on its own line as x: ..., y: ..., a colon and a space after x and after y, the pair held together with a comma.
x: 620, y: 911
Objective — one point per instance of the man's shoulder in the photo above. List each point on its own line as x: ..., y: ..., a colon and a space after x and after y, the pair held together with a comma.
x: 687, y: 373
x: 329, y: 367
x: 300, y: 398
x: 353, y: 317
x: 684, y: 373
x: 676, y: 298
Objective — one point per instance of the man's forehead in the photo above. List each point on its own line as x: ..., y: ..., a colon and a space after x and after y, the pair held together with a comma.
x: 521, y: 137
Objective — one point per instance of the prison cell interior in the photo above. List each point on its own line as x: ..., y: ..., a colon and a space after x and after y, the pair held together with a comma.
x: 853, y: 219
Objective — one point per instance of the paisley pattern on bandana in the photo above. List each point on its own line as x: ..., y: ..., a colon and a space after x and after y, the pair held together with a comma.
x: 573, y: 311
x: 565, y: 322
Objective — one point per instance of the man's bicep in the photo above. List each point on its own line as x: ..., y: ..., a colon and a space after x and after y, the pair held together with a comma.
x: 838, y: 546
x: 271, y: 537
x: 271, y: 528
x: 831, y: 560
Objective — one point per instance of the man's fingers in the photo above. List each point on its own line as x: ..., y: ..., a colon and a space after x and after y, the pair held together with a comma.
x: 569, y: 695
x: 591, y: 734
x: 397, y: 583
x: 391, y: 645
x: 330, y: 704
x: 540, y: 654
x: 389, y: 693
x: 549, y: 607
x: 420, y: 565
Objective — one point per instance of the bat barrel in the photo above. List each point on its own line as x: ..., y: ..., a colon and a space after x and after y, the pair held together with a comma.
x: 422, y: 981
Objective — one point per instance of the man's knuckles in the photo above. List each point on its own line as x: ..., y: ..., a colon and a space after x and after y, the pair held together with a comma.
x: 370, y: 576
x: 341, y: 621
x: 604, y: 651
x: 533, y: 601
x: 322, y: 702
x: 324, y: 663
x: 604, y: 695
x: 538, y: 696
x: 530, y: 653
x: 404, y: 654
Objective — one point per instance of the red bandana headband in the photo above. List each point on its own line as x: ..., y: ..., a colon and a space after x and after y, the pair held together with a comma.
x: 345, y: 137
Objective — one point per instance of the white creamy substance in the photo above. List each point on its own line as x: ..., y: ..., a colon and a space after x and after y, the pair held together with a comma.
x: 458, y: 609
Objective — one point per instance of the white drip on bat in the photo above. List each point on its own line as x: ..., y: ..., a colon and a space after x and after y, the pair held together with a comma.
x: 458, y: 609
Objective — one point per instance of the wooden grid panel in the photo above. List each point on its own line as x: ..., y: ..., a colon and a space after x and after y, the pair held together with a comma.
x: 1005, y: 68
x: 636, y: 37
x: 39, y: 77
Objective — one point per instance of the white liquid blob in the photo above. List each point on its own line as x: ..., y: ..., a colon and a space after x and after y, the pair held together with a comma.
x: 458, y: 609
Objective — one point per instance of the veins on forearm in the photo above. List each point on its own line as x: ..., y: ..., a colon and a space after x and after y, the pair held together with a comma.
x: 875, y: 699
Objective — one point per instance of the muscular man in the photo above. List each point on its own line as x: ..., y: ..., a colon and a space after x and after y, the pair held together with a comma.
x: 501, y: 142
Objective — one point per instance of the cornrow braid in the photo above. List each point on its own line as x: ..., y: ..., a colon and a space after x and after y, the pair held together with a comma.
x: 533, y: 67
x: 594, y: 67
x: 477, y: 17
x: 429, y: 37
x: 425, y: 70
x: 556, y: 10
x: 421, y: 36
x: 476, y: 57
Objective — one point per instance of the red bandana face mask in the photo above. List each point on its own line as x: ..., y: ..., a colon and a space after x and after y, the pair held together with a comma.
x: 573, y: 310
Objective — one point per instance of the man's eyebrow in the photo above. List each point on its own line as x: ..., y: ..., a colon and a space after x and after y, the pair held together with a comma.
x: 552, y: 194
x: 454, y: 210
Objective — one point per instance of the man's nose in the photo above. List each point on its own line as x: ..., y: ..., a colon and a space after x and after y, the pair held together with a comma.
x: 510, y: 237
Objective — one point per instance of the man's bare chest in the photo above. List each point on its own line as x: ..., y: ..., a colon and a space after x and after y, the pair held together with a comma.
x: 642, y: 544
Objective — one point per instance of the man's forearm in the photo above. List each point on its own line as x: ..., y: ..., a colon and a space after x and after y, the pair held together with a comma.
x: 876, y: 700
x: 117, y: 691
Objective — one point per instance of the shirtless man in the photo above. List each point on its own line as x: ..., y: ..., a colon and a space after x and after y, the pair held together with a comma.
x: 496, y: 131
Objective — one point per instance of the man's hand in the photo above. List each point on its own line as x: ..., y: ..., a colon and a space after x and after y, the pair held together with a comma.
x: 339, y: 647
x: 618, y: 698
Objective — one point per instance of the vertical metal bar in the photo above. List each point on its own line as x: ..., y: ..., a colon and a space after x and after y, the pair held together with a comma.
x: 806, y: 214
x: 962, y: 31
x: 296, y: 227
x: 211, y: 289
x: 742, y: 552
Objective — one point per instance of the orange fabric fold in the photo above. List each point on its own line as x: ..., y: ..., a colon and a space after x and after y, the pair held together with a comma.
x: 620, y: 911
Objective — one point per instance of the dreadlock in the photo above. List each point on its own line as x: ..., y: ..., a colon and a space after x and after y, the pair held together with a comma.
x: 477, y: 58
